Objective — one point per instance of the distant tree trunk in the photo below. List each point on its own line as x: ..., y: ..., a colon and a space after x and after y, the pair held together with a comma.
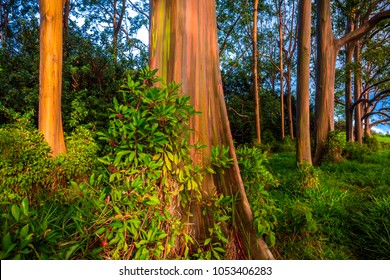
x: 117, y: 23
x: 357, y: 93
x: 280, y: 16
x: 50, y: 74
x: 327, y: 50
x: 66, y: 26
x: 184, y: 47
x: 303, y: 82
x: 4, y: 13
x: 289, y: 101
x: 255, y: 75
x: 367, y: 109
x: 348, y: 86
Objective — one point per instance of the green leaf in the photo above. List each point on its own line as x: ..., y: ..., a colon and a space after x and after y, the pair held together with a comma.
x: 71, y: 251
x: 153, y: 200
x: 24, y: 206
x: 15, y: 211
x: 116, y: 224
x: 207, y: 241
x: 100, y: 231
x: 24, y: 231
x: 7, y: 241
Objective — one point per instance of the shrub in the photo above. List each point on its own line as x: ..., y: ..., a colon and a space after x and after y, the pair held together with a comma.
x: 25, y: 162
x: 257, y: 181
x: 372, y: 143
x: 149, y: 179
x: 334, y: 147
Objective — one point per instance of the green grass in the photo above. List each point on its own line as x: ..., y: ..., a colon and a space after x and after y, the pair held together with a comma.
x: 346, y: 216
x: 383, y: 138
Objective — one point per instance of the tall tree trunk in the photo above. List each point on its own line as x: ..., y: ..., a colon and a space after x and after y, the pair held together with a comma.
x: 66, y: 26
x: 184, y: 47
x: 303, y: 82
x: 357, y: 93
x: 289, y: 101
x: 280, y: 16
x: 325, y: 75
x: 367, y: 109
x: 255, y: 75
x: 117, y: 23
x: 50, y: 74
x: 348, y: 86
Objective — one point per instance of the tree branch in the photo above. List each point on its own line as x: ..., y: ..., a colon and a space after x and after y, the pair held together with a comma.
x: 362, y: 30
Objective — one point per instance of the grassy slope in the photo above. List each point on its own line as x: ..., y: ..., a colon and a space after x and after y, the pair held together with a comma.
x: 345, y: 216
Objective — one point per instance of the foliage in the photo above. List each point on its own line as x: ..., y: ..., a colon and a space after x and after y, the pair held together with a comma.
x: 28, y: 169
x: 257, y: 182
x: 344, y: 217
x: 370, y: 229
x: 150, y: 179
x: 25, y: 162
x: 334, y: 147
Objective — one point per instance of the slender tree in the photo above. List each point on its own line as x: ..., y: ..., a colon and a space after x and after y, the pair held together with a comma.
x: 357, y: 92
x: 255, y: 74
x: 281, y: 69
x: 184, y: 48
x: 303, y: 82
x: 348, y: 84
x: 50, y: 74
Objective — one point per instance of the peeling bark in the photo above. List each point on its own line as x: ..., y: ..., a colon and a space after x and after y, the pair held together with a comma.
x: 184, y: 48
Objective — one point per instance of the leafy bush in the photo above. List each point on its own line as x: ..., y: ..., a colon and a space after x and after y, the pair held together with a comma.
x: 372, y: 143
x: 356, y: 151
x: 27, y: 167
x: 257, y: 181
x: 286, y: 145
x: 25, y: 162
x: 334, y: 147
x: 149, y: 178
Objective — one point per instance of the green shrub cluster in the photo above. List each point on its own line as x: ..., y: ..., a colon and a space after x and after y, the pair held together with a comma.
x: 257, y: 181
x: 149, y: 180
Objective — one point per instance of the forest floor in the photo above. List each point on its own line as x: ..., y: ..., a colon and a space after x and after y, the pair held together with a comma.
x: 342, y: 212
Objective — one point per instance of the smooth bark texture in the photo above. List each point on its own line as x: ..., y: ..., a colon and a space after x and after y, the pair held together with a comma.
x: 281, y: 72
x: 303, y: 82
x: 325, y: 75
x: 50, y: 74
x: 348, y: 87
x: 255, y: 74
x: 184, y: 48
x: 357, y: 93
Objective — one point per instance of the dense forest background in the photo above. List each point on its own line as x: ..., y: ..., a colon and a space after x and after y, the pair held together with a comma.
x: 128, y: 162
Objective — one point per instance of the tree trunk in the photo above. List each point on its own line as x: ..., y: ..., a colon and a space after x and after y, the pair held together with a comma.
x: 367, y: 109
x: 281, y: 68
x: 66, y: 26
x: 255, y: 75
x: 325, y: 75
x: 348, y: 87
x: 117, y: 24
x: 50, y: 74
x: 303, y: 82
x: 184, y: 47
x: 289, y: 101
x: 357, y: 93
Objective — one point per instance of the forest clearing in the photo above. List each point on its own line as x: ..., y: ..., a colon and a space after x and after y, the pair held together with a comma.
x: 238, y: 130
